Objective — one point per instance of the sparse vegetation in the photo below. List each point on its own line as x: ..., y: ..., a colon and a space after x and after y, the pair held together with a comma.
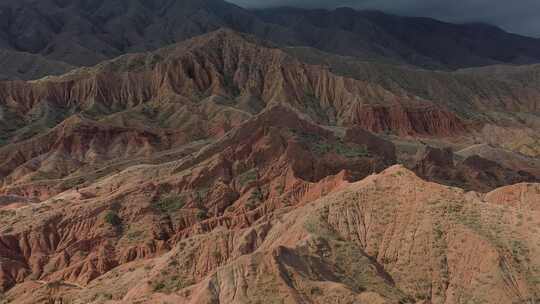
x: 201, y: 195
x: 201, y: 215
x: 113, y: 219
x: 256, y: 195
x: 280, y: 188
x: 171, y: 284
x: 72, y: 183
x: 54, y: 284
x: 7, y: 213
x: 170, y: 203
x: 154, y: 164
x: 316, y: 291
x: 134, y: 236
x: 103, y: 296
x: 247, y: 177
x: 158, y: 286
x: 321, y: 146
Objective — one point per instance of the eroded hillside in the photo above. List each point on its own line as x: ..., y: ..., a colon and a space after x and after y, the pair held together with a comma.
x: 225, y: 169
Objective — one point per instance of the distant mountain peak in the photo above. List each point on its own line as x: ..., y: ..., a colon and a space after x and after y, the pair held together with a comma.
x: 84, y: 33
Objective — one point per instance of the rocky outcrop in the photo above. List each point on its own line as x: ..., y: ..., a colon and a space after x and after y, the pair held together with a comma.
x: 223, y: 170
x: 244, y: 68
x: 433, y: 162
x: 243, y: 75
x: 69, y: 147
x: 403, y: 120
x: 273, y: 161
x: 400, y: 248
x: 474, y: 172
x: 493, y: 174
x: 373, y: 143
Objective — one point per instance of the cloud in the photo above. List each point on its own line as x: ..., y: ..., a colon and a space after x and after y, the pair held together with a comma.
x: 519, y: 16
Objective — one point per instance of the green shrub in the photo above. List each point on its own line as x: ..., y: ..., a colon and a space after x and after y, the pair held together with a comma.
x: 250, y: 205
x: 159, y: 286
x: 135, y: 235
x: 316, y: 291
x: 7, y: 213
x: 247, y: 177
x: 351, y: 151
x: 280, y: 188
x: 256, y: 195
x: 201, y: 215
x: 171, y: 203
x: 171, y: 284
x: 112, y: 218
x: 321, y: 146
x: 201, y: 195
x: 104, y: 296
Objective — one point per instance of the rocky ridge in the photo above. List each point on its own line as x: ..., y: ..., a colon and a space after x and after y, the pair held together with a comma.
x: 226, y: 169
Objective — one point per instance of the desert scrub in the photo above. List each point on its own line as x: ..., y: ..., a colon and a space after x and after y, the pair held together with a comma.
x: 102, y: 296
x: 72, y: 183
x: 280, y: 188
x: 247, y: 177
x: 201, y: 195
x: 158, y: 286
x: 321, y: 146
x: 7, y: 213
x: 113, y: 219
x: 316, y: 291
x: 256, y: 195
x: 170, y: 203
x: 201, y: 215
x: 172, y: 284
x: 135, y: 235
x: 351, y: 151
x: 216, y: 255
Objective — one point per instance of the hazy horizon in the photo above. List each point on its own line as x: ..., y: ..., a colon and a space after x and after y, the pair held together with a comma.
x: 519, y: 18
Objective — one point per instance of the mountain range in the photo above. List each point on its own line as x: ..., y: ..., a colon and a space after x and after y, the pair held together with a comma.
x: 84, y: 33
x: 198, y: 152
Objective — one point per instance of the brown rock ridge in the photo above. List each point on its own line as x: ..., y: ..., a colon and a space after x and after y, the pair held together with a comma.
x: 473, y: 172
x: 228, y: 64
x: 202, y: 173
x: 223, y: 77
x: 272, y: 161
x: 219, y: 208
x: 430, y: 244
x: 75, y: 143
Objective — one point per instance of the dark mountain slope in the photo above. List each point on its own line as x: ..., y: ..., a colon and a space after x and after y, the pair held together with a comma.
x: 418, y: 41
x: 82, y: 32
x: 20, y: 65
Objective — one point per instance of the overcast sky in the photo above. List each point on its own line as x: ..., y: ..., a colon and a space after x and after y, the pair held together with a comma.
x: 519, y: 16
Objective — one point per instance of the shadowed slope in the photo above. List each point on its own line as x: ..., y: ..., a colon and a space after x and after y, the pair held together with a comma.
x: 82, y: 33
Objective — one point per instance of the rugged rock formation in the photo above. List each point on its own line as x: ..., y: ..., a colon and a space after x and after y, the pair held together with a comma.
x: 435, y: 162
x: 274, y: 160
x: 373, y: 143
x: 474, y: 172
x: 431, y: 243
x: 507, y: 158
x: 223, y: 169
x: 229, y: 68
x: 226, y: 70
